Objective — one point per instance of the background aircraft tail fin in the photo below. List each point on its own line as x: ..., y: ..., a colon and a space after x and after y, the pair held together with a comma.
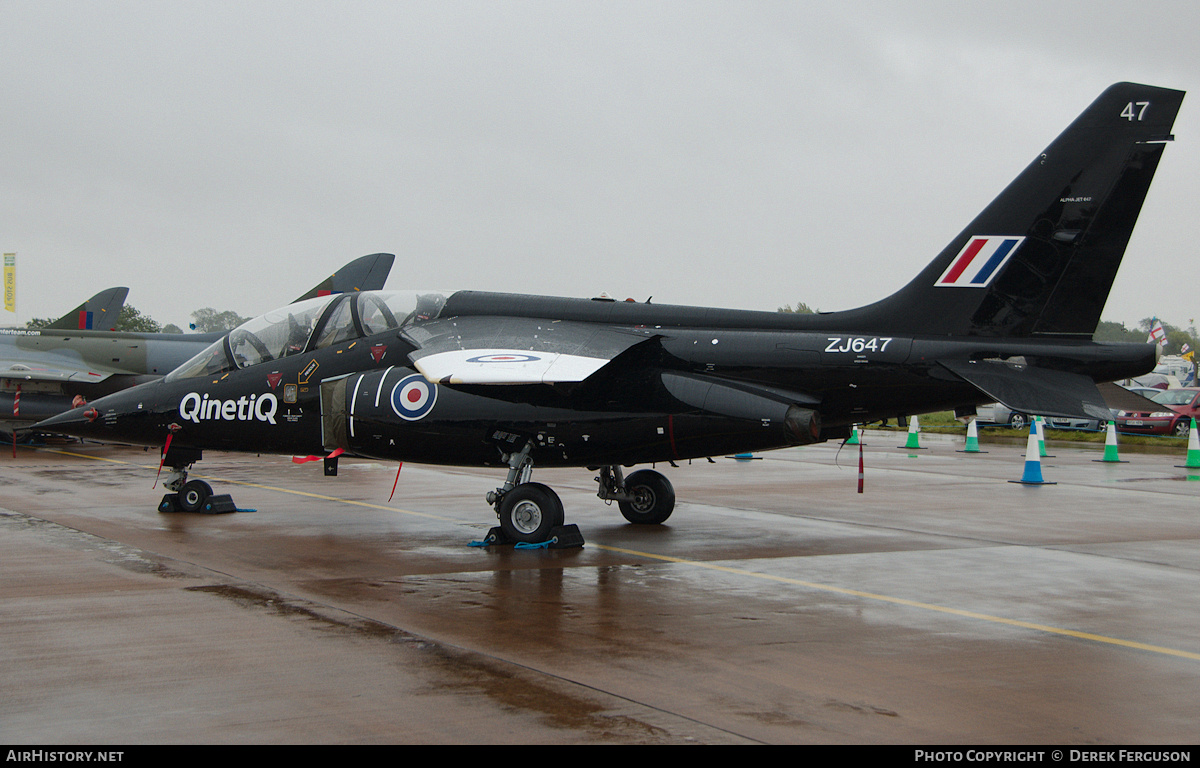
x: 366, y: 273
x: 98, y: 313
x: 1041, y: 258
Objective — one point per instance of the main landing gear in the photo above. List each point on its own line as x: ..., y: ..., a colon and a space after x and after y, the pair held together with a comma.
x: 532, y: 513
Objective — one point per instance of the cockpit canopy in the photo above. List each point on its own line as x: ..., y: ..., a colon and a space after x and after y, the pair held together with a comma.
x: 309, y: 325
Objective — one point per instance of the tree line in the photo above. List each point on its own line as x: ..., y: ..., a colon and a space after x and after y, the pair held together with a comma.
x: 131, y: 320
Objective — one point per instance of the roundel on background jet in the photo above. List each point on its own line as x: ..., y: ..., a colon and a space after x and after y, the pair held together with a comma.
x: 413, y: 397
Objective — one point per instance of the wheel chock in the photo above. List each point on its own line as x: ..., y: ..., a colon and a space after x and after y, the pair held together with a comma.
x: 219, y: 504
x: 565, y: 537
x: 562, y: 537
x: 216, y: 505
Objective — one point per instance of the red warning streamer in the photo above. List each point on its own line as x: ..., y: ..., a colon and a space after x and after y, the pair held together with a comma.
x: 171, y: 430
x: 306, y: 459
x: 397, y: 480
x: 162, y: 459
x: 860, y: 468
x: 16, y: 413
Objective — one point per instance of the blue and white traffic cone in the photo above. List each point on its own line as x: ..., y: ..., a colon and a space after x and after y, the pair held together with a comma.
x: 1110, y: 446
x: 972, y: 439
x: 1033, y: 461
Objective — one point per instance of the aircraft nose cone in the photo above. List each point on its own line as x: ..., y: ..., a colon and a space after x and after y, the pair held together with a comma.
x: 78, y: 422
x: 118, y: 418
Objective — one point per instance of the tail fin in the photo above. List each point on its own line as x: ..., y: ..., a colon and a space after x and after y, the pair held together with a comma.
x: 366, y: 273
x: 98, y: 313
x: 1041, y: 258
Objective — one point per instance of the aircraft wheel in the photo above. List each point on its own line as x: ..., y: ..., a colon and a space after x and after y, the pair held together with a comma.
x: 193, y: 494
x: 529, y: 511
x: 653, y: 498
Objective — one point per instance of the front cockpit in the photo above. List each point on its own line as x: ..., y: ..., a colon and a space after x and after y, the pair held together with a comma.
x: 310, y: 325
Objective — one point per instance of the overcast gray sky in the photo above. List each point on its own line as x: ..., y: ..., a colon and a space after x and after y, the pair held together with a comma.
x: 741, y: 154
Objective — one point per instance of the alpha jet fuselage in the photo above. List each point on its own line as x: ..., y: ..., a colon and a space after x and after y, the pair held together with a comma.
x: 1005, y: 312
x: 672, y: 389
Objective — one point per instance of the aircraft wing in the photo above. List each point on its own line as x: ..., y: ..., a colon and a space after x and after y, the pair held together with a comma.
x: 49, y: 369
x: 1030, y: 389
x: 515, y: 350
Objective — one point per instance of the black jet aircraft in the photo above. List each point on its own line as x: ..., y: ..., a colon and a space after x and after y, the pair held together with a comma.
x: 44, y: 370
x: 1006, y: 312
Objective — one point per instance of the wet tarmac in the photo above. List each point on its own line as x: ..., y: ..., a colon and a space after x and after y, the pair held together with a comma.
x: 943, y: 605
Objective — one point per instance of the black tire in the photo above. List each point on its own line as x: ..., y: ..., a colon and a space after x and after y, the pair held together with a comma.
x: 1181, y: 428
x: 193, y: 494
x: 529, y: 512
x: 653, y: 498
x: 1018, y: 420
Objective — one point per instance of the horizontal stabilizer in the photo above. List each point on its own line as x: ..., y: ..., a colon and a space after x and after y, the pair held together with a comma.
x: 1029, y: 389
x: 514, y: 350
x: 1120, y: 399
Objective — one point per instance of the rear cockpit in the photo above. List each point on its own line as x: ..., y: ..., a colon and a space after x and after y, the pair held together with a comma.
x: 318, y: 323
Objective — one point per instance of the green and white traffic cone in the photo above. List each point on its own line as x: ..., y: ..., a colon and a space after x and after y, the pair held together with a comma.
x: 1033, y: 461
x: 1193, y: 454
x: 854, y: 437
x: 913, y: 442
x: 1110, y: 446
x: 972, y: 439
x: 1041, y: 430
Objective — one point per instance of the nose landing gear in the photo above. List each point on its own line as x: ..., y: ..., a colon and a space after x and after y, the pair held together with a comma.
x: 190, y: 495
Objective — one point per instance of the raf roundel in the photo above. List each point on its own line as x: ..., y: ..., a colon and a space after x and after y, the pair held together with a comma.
x: 507, y: 357
x: 413, y: 397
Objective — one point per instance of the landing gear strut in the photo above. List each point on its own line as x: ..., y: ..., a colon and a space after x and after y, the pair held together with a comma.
x: 190, y: 495
x: 530, y: 513
x: 645, y: 497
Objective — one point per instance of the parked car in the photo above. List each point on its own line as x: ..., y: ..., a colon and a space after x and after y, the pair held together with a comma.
x: 1001, y: 415
x: 1180, y: 406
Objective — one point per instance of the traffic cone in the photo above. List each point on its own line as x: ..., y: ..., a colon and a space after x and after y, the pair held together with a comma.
x: 1033, y: 461
x: 972, y: 439
x: 1110, y: 446
x: 854, y: 437
x: 913, y: 442
x: 1193, y: 454
x: 1041, y: 430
